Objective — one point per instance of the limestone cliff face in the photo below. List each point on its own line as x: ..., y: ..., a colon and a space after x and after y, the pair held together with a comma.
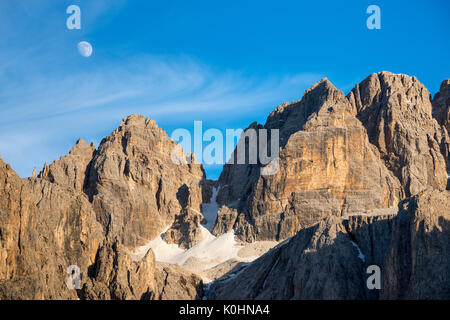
x: 397, y: 113
x: 90, y: 208
x: 44, y: 228
x: 345, y: 167
x: 329, y: 260
x: 115, y: 275
x: 327, y: 167
x: 418, y: 258
x: 70, y: 170
x: 134, y: 185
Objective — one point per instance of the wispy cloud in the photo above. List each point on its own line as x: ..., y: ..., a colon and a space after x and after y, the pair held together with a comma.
x: 156, y: 85
x: 77, y: 104
x: 50, y: 96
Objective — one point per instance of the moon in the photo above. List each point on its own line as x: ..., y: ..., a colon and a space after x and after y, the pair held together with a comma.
x: 85, y: 49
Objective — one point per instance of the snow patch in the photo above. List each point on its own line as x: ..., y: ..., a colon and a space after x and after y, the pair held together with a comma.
x: 211, y: 251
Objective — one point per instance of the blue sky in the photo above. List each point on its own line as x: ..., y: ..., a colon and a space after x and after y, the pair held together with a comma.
x: 227, y: 63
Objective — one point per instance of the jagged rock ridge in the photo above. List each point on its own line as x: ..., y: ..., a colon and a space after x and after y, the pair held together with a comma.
x: 329, y: 260
x: 122, y: 195
x: 342, y: 159
x: 327, y: 166
x: 397, y: 112
x: 338, y: 155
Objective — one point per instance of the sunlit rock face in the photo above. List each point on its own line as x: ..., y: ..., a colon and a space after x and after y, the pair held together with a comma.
x: 44, y: 228
x: 135, y: 187
x: 90, y: 209
x: 327, y: 166
x: 115, y: 275
x: 70, y: 170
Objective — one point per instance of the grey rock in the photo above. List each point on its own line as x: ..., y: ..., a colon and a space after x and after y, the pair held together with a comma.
x: 176, y: 283
x: 116, y: 276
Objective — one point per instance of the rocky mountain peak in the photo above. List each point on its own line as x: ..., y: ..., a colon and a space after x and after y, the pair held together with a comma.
x: 359, y: 180
x: 323, y: 90
x: 139, y: 121
x: 321, y: 99
x: 70, y: 170
x: 82, y: 147
x: 397, y: 113
x: 135, y: 186
x: 327, y: 167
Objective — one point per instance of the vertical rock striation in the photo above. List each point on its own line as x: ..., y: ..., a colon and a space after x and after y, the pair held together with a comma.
x: 44, y: 228
x: 397, y: 113
x: 326, y: 167
x: 134, y: 185
x: 329, y: 260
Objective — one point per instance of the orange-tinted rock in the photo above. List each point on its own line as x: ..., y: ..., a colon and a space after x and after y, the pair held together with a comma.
x: 44, y: 229
x: 135, y: 187
x: 70, y: 170
x: 397, y: 113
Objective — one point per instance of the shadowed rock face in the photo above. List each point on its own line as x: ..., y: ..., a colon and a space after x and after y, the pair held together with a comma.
x: 329, y: 260
x: 116, y: 276
x: 397, y: 113
x: 326, y: 167
x: 441, y: 112
x: 176, y: 283
x: 418, y: 258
